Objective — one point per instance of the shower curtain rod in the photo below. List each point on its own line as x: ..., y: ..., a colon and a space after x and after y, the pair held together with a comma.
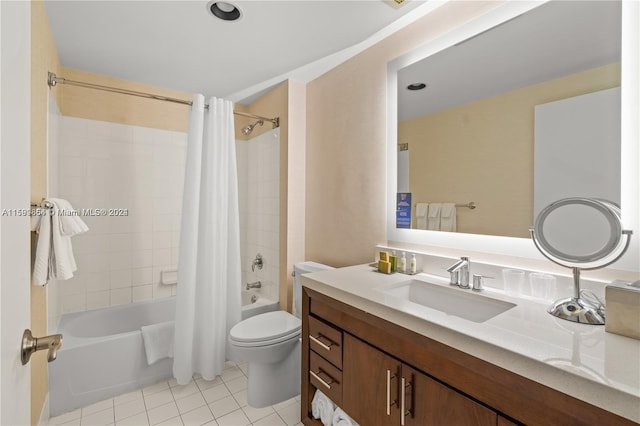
x: 53, y: 80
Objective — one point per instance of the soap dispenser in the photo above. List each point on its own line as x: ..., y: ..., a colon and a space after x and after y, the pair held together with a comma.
x: 414, y: 266
x: 402, y: 267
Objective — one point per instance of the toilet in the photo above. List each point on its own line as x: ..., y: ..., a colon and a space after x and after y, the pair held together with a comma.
x: 270, y: 343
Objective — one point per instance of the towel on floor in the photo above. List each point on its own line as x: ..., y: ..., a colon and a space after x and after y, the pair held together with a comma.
x: 54, y: 254
x: 421, y: 215
x: 158, y: 341
x: 433, y: 217
x: 340, y: 418
x: 448, y: 217
x: 322, y: 408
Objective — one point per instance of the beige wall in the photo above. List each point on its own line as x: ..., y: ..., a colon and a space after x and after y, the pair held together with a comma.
x: 346, y: 142
x: 275, y: 103
x: 44, y: 58
x: 483, y: 152
x: 117, y: 108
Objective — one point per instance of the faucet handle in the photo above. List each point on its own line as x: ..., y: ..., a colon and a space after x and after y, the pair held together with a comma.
x: 478, y: 282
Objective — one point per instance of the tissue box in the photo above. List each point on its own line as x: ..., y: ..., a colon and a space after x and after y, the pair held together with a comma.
x: 622, y: 302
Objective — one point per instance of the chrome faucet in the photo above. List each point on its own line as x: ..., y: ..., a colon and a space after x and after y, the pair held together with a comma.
x: 256, y: 262
x: 257, y: 284
x: 460, y: 273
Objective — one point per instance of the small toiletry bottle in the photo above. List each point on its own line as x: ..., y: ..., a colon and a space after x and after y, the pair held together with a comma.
x: 414, y: 266
x: 402, y: 267
x: 394, y: 261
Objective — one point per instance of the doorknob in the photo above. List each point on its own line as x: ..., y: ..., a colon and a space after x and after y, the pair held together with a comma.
x: 32, y: 344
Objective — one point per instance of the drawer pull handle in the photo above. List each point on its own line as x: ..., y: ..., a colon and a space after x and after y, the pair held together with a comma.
x: 389, y: 402
x: 320, y: 379
x: 402, y: 402
x: 323, y: 345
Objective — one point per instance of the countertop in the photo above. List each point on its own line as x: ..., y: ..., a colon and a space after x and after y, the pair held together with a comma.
x: 580, y: 360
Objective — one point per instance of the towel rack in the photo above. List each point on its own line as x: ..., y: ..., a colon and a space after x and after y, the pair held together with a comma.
x: 471, y: 205
x: 43, y: 205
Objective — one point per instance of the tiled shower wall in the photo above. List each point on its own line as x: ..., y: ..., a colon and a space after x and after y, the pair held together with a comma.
x: 259, y: 199
x: 141, y: 171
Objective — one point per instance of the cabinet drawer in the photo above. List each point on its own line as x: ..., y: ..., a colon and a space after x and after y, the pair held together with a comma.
x: 326, y: 340
x: 325, y: 377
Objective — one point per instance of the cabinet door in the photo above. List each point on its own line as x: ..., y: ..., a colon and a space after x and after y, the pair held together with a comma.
x: 370, y: 384
x: 428, y: 402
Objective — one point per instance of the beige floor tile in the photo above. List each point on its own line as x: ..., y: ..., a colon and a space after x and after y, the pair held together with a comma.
x: 101, y: 418
x: 157, y: 399
x: 129, y: 409
x: 272, y: 420
x: 65, y: 418
x: 290, y: 414
x: 255, y: 414
x: 137, y: 420
x: 215, y: 393
x: 235, y: 418
x: 162, y: 413
x: 197, y: 417
x: 236, y: 385
x: 190, y: 403
x: 223, y: 406
x: 181, y: 391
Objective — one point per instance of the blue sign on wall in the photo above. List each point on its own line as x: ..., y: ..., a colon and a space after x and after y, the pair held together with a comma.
x: 403, y: 210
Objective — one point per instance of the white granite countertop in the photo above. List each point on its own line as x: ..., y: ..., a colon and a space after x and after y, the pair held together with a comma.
x: 580, y: 360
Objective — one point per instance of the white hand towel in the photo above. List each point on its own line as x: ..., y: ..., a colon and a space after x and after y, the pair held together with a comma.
x: 322, y: 408
x: 158, y: 341
x: 62, y: 264
x: 43, y: 250
x: 448, y: 217
x: 340, y: 418
x: 70, y: 223
x: 421, y: 215
x: 433, y: 217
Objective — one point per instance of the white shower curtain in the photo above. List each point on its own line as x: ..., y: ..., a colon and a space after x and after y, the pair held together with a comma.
x: 209, y: 280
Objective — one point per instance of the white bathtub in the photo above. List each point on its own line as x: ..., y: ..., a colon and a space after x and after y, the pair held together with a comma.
x: 103, y: 354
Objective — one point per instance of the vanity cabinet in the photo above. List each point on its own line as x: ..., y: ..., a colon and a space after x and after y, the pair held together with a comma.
x: 373, y: 368
x: 379, y: 389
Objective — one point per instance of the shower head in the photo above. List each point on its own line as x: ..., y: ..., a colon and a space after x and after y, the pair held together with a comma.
x: 247, y: 130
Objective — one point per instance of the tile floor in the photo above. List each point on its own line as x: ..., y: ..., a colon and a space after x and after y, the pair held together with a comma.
x: 222, y: 402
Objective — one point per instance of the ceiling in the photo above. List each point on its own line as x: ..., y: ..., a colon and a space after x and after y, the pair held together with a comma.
x: 550, y: 41
x: 180, y: 45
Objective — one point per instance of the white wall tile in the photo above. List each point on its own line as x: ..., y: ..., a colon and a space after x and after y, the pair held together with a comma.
x: 107, y: 165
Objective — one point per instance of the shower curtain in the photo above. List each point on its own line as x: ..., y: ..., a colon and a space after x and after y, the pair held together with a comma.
x: 208, y: 290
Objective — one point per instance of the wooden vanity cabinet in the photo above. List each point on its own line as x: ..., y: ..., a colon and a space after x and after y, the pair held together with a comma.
x: 380, y: 390
x: 360, y: 360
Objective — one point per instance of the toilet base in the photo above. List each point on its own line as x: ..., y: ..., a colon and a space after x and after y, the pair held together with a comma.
x: 271, y: 383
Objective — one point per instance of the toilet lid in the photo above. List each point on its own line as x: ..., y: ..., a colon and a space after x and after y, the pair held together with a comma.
x: 266, y: 327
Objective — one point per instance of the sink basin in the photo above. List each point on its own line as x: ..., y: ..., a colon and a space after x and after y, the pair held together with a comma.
x: 450, y: 300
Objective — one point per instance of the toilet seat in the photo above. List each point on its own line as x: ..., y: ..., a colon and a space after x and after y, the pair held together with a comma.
x: 266, y: 329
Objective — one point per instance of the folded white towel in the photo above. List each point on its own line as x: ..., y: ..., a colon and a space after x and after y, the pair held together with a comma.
x: 433, y: 217
x: 322, y: 408
x: 448, y: 217
x: 158, y: 341
x: 43, y: 249
x: 340, y: 418
x: 70, y: 224
x: 421, y: 215
x: 54, y: 254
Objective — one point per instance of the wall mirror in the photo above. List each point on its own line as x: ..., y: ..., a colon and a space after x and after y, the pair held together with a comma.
x: 493, y: 158
x: 479, y: 129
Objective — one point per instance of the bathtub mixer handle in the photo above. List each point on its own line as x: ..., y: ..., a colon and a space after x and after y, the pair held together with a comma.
x: 32, y: 344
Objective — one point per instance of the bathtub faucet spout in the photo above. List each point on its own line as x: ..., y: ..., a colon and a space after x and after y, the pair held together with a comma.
x: 257, y: 284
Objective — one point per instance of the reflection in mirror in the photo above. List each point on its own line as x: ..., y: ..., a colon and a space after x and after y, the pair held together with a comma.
x: 514, y: 118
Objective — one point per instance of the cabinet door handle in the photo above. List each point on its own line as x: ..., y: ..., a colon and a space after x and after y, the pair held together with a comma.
x: 323, y: 345
x: 318, y: 378
x: 389, y: 402
x: 403, y: 401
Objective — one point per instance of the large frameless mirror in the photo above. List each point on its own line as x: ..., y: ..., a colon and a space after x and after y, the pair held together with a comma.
x: 581, y: 234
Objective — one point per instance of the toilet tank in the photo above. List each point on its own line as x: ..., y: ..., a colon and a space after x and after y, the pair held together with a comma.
x: 299, y: 269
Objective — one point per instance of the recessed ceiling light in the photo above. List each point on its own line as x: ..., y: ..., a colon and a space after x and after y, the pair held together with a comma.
x: 224, y: 10
x: 416, y: 86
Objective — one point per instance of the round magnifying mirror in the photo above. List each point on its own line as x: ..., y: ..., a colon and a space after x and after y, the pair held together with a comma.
x: 580, y: 233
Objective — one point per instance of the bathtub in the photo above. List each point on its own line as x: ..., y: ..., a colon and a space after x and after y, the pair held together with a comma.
x: 103, y: 354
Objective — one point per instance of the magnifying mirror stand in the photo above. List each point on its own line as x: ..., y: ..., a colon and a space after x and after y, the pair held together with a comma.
x: 575, y: 308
